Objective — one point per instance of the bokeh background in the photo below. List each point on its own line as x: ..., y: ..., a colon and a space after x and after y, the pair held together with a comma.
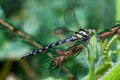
x: 38, y: 18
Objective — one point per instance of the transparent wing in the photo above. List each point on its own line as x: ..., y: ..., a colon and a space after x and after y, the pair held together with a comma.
x: 63, y: 31
x: 70, y: 18
x: 71, y: 22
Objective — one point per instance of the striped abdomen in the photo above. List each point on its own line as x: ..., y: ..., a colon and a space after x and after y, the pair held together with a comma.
x: 72, y: 38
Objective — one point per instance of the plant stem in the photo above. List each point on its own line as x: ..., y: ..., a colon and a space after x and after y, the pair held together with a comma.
x: 107, y: 48
x: 92, y: 71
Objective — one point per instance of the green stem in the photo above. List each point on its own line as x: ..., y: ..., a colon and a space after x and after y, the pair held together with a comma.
x: 99, y: 71
x: 108, y: 46
x: 106, y: 50
x: 92, y: 71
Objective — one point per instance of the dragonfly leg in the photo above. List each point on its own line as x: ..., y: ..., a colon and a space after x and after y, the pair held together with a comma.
x: 85, y: 43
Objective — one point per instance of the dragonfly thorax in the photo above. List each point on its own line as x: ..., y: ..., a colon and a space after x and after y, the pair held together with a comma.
x: 81, y: 34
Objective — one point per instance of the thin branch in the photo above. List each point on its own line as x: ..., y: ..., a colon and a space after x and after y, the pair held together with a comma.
x: 115, y: 30
x: 66, y: 55
x: 19, y: 33
x: 26, y: 37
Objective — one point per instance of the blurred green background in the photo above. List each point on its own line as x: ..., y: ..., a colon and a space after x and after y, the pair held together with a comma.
x: 39, y: 18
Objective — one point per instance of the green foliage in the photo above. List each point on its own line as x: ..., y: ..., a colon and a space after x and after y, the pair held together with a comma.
x: 113, y: 74
x: 37, y: 19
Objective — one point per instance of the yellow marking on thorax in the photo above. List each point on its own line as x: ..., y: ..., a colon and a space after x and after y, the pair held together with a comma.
x: 79, y: 36
x: 83, y: 32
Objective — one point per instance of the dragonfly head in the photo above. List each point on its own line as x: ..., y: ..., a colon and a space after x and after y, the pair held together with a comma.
x: 91, y: 32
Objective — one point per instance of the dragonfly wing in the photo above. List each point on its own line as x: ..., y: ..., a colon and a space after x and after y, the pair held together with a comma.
x: 70, y: 17
x: 63, y: 31
x: 71, y: 21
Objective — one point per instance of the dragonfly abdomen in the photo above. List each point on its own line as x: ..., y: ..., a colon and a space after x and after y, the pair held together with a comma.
x: 37, y: 51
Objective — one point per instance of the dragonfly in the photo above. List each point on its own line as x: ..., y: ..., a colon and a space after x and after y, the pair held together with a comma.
x: 82, y: 35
